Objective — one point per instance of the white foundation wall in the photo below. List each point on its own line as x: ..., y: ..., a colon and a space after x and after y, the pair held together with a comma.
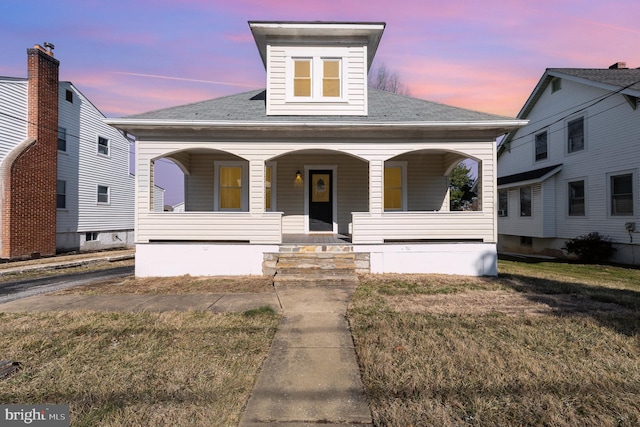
x: 469, y: 259
x: 195, y: 259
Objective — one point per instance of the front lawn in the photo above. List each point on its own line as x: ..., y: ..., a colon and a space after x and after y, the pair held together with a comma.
x: 146, y: 369
x: 545, y: 344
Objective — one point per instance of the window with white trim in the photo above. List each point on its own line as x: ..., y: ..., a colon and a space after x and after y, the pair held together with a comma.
x: 103, y: 146
x: 541, y: 146
x: 503, y: 202
x: 576, y: 198
x: 622, y: 193
x: 270, y: 186
x: 395, y: 188
x: 525, y: 201
x: 103, y: 194
x: 316, y: 79
x: 62, y: 139
x: 231, y: 190
x: 91, y: 236
x: 575, y: 135
x: 61, y: 194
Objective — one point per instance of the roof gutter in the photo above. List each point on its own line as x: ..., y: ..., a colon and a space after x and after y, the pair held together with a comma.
x: 140, y: 123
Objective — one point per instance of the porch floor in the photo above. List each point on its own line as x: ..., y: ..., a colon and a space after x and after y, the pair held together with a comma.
x: 316, y: 239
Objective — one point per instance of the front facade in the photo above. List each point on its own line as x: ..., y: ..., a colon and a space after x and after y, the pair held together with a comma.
x: 87, y: 186
x: 573, y: 169
x: 317, y: 156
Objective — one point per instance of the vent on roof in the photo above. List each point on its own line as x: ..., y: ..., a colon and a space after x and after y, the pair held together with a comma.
x: 618, y: 66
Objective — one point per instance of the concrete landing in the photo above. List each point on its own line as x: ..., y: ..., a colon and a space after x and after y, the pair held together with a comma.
x: 311, y: 374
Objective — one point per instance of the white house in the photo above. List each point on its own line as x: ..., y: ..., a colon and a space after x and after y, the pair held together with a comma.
x: 316, y: 159
x: 94, y: 190
x: 574, y: 168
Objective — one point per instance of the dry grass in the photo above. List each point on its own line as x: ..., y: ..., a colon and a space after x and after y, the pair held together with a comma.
x: 534, y: 347
x: 117, y: 369
x: 175, y: 285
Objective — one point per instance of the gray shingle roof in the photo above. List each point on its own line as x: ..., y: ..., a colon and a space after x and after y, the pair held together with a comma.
x: 527, y: 176
x: 383, y: 107
x: 617, y: 77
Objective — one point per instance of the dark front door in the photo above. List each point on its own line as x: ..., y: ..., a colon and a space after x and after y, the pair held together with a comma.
x: 320, y: 200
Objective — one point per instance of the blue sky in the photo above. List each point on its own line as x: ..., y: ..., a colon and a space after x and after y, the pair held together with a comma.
x: 133, y: 56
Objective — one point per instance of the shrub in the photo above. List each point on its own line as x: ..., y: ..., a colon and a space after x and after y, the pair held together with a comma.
x: 590, y: 248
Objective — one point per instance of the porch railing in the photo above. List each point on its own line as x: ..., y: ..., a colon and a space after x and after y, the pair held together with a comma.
x: 412, y: 226
x: 262, y: 228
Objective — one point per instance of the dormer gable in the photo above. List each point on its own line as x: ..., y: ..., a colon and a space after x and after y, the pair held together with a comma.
x: 317, y: 68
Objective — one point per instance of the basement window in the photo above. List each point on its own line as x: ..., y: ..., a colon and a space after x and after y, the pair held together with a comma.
x: 91, y: 236
x: 526, y: 241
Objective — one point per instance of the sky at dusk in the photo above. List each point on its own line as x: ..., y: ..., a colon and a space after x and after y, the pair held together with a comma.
x: 133, y: 56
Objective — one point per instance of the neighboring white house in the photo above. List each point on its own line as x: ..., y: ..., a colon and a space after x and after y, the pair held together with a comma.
x: 178, y: 207
x: 94, y: 189
x: 317, y: 155
x: 574, y: 169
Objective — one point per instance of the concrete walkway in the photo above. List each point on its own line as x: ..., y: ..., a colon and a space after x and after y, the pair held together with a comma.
x: 311, y: 374
x: 158, y: 303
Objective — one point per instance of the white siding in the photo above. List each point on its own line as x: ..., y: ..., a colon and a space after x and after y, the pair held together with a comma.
x: 368, y: 228
x: 612, y: 145
x: 210, y: 226
x: 354, y: 81
x: 84, y: 169
x: 199, y: 184
x: 158, y: 199
x: 13, y: 114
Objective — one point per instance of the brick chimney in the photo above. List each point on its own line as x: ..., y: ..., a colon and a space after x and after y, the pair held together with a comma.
x: 618, y: 66
x: 29, y: 179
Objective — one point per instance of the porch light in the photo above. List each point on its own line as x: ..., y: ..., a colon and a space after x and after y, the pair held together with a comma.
x: 298, y: 181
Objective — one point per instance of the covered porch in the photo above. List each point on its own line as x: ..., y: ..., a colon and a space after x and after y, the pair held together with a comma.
x: 403, y: 197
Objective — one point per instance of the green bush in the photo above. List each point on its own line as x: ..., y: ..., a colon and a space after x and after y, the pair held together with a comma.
x: 590, y: 248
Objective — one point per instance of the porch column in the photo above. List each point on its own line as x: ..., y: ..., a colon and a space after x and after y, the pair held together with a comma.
x: 376, y: 187
x: 144, y: 182
x: 256, y: 186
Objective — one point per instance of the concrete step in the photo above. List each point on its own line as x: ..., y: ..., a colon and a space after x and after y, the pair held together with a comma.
x: 317, y: 255
x: 291, y: 282
x: 317, y: 264
x: 319, y: 248
x: 323, y: 268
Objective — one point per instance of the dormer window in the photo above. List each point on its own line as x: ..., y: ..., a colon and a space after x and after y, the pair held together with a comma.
x: 301, y: 77
x: 317, y: 68
x: 331, y: 78
x: 316, y: 79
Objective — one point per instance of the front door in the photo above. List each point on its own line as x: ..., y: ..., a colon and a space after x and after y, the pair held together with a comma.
x: 320, y: 200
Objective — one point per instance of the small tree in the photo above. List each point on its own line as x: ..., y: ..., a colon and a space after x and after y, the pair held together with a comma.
x: 460, y: 185
x: 384, y: 79
x: 590, y: 248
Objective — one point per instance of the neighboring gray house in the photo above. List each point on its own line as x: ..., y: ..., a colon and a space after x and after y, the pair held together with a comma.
x: 317, y: 157
x: 574, y: 169
x: 94, y: 199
